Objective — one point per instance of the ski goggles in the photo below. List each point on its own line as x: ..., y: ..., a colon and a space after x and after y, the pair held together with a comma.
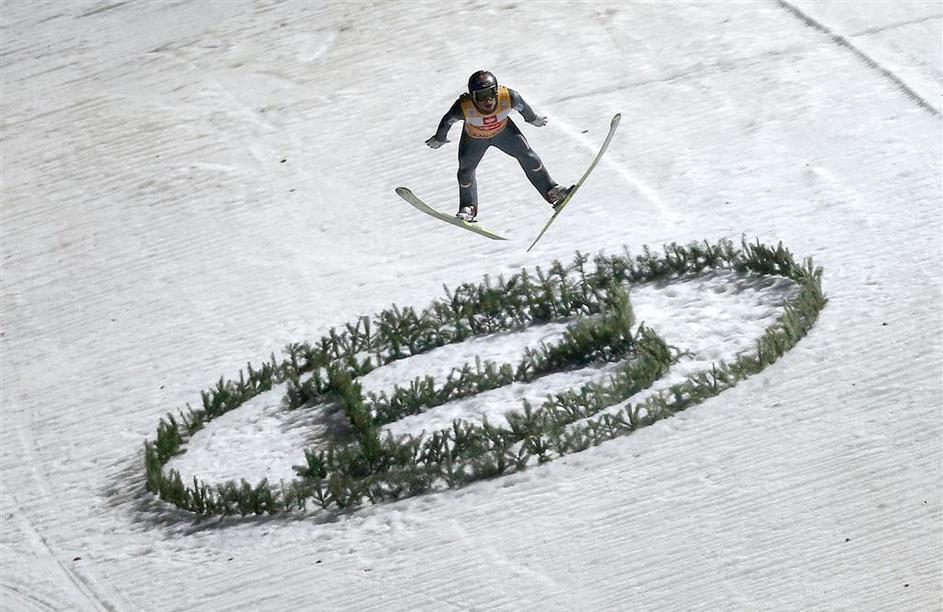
x: 488, y: 93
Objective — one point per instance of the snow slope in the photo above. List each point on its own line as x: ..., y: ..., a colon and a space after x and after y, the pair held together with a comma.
x: 187, y: 187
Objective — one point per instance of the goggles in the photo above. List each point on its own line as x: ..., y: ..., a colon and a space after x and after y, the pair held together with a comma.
x: 488, y: 93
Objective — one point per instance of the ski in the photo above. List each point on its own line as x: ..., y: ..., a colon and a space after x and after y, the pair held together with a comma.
x: 605, y: 145
x: 410, y: 197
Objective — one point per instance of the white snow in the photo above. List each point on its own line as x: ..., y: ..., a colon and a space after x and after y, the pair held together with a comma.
x: 190, y: 186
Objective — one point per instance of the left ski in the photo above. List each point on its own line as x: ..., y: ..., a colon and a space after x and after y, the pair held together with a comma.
x: 410, y: 197
x: 605, y: 145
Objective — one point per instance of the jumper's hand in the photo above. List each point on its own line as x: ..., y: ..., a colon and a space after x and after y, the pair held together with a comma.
x: 435, y: 143
x: 538, y: 121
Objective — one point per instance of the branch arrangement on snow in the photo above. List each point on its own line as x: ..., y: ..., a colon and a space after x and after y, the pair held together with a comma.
x: 360, y: 465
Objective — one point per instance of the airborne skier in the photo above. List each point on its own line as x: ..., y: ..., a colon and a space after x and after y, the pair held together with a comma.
x: 486, y: 110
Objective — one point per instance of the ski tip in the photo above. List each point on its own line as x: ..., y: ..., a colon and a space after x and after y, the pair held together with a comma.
x: 616, y: 119
x: 402, y: 190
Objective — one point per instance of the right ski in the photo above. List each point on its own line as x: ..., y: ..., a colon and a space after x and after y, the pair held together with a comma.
x: 605, y: 145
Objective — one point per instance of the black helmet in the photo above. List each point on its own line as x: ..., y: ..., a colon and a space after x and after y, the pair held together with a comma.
x: 483, y: 85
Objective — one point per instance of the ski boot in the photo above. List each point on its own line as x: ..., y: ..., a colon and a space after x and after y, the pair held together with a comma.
x: 468, y: 214
x: 557, y: 195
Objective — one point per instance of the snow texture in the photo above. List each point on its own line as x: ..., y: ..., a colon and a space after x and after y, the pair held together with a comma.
x: 188, y: 187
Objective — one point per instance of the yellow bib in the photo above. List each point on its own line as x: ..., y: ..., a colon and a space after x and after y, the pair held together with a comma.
x: 479, y: 125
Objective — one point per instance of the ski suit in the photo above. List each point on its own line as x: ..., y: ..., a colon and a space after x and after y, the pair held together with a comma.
x: 483, y: 130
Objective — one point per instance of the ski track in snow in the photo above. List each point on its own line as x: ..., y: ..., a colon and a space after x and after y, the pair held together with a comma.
x: 189, y: 188
x: 80, y: 595
x: 841, y: 41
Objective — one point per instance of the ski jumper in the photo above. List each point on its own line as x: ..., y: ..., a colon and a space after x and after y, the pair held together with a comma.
x: 483, y: 130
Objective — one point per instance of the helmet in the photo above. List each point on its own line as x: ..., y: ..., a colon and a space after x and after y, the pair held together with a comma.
x: 482, y: 85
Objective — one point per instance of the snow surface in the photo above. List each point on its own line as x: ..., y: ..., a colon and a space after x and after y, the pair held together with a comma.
x: 190, y: 186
